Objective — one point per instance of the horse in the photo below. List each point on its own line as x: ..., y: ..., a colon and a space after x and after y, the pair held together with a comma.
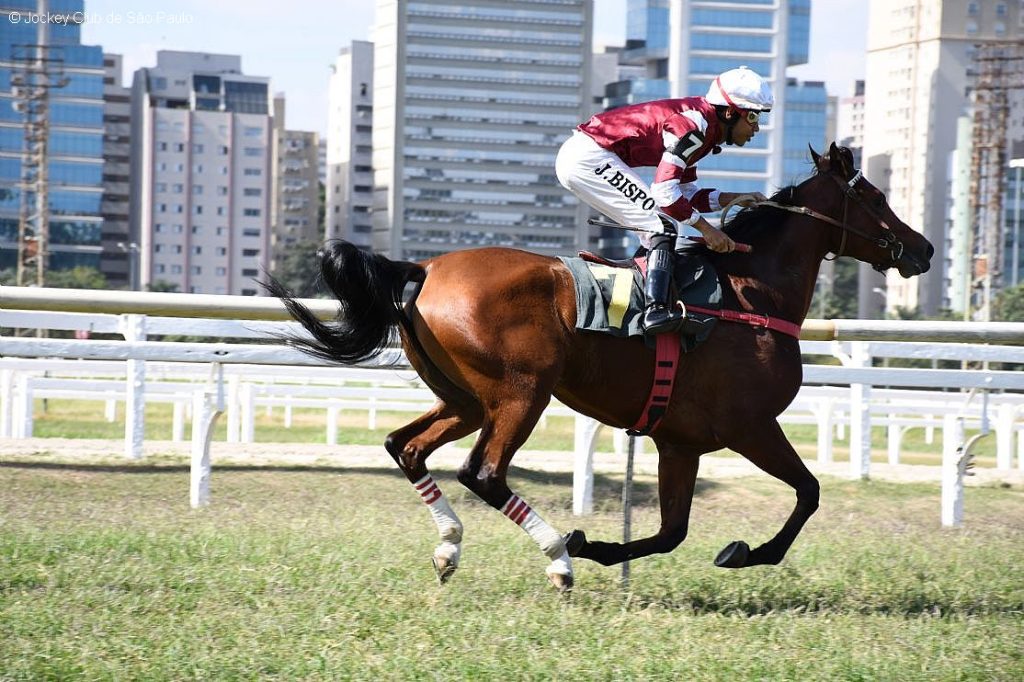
x: 492, y: 332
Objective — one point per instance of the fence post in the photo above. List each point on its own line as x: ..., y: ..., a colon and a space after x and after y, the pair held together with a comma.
x: 825, y: 424
x: 1004, y: 437
x: 207, y: 405
x: 110, y: 410
x: 178, y: 422
x: 585, y: 436
x: 952, y: 479
x: 895, y: 433
x: 1020, y: 449
x: 860, y: 415
x: 332, y: 425
x: 247, y: 404
x: 133, y: 328
x: 6, y: 402
x: 232, y: 408
x: 23, y: 408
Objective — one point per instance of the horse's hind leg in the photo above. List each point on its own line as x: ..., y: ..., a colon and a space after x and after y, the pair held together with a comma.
x: 771, y: 451
x: 506, y: 427
x: 410, y: 446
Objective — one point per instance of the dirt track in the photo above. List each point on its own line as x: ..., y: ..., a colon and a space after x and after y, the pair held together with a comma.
x: 108, y: 451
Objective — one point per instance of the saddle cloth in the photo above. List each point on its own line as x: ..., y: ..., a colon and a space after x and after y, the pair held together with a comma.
x: 610, y: 299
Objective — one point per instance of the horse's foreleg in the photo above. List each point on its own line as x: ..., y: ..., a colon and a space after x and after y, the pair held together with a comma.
x: 771, y: 452
x: 410, y: 446
x: 505, y: 429
x: 677, y: 475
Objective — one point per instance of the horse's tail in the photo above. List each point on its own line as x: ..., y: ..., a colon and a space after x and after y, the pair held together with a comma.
x: 369, y: 288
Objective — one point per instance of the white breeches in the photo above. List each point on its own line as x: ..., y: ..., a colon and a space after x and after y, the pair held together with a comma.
x: 602, y: 180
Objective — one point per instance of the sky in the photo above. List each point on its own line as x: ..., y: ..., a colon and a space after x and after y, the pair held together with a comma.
x: 296, y: 44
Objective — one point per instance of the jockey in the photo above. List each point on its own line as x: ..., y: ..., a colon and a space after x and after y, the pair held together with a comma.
x: 596, y: 164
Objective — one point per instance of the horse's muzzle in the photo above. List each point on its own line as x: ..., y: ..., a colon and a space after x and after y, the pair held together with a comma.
x: 911, y: 264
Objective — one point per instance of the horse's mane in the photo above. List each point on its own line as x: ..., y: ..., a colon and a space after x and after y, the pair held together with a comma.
x: 748, y: 224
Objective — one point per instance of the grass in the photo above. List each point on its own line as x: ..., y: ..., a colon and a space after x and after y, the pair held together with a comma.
x: 314, y: 573
x: 84, y: 419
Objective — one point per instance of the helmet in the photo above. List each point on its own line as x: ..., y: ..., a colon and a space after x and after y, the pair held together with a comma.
x: 741, y: 89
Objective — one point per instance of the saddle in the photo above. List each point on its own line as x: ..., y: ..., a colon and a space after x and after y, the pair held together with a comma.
x: 694, y: 283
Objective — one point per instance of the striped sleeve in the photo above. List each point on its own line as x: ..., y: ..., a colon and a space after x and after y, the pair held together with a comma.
x: 683, y: 138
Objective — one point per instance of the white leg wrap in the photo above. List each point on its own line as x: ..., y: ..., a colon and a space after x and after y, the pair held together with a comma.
x: 448, y: 525
x: 546, y: 537
x: 560, y: 566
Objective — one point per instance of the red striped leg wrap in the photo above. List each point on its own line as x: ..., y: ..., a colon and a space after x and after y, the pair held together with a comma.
x: 516, y: 509
x: 427, y: 489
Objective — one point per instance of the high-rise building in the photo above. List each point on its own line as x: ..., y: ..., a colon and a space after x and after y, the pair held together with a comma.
x: 321, y: 160
x: 1014, y: 208
x: 120, y: 254
x: 349, y: 187
x: 919, y: 55
x: 806, y: 116
x: 850, y: 122
x: 957, y: 276
x: 202, y: 173
x: 681, y: 46
x: 297, y: 202
x: 472, y: 100
x: 73, y: 154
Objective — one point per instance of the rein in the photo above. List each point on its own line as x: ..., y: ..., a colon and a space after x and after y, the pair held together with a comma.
x: 888, y: 241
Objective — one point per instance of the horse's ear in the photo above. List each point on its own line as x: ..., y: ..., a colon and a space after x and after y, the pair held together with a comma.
x: 820, y: 162
x: 840, y: 162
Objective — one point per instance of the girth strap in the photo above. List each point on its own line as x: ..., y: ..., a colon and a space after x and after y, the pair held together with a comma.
x: 667, y: 348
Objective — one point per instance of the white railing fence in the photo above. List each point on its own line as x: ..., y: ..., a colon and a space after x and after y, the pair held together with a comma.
x: 240, y: 377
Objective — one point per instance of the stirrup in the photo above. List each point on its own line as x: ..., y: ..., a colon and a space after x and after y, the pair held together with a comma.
x: 661, y: 319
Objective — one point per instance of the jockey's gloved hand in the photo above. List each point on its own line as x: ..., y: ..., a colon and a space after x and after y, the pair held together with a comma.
x: 752, y: 199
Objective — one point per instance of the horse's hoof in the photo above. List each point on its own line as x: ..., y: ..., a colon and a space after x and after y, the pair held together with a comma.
x: 574, y: 542
x: 734, y: 555
x: 443, y: 568
x: 562, y: 583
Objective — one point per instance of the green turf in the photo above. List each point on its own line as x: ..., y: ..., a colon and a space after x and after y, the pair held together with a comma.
x: 321, y: 573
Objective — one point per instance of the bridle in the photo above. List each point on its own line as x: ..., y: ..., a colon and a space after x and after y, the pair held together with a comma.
x: 886, y: 241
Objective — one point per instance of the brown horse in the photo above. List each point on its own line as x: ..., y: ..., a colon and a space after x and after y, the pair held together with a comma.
x: 492, y: 332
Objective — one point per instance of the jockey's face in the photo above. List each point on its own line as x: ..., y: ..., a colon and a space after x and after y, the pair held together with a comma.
x: 744, y: 129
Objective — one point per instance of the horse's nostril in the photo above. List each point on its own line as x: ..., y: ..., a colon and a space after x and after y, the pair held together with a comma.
x: 930, y: 251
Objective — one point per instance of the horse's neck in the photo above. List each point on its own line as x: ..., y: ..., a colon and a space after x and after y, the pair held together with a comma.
x: 779, y: 276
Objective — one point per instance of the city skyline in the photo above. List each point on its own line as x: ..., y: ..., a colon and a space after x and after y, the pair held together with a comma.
x: 306, y: 43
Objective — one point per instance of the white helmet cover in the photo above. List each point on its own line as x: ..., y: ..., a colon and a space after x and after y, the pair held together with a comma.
x: 741, y: 89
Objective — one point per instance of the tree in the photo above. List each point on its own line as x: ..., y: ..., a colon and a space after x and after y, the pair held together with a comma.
x: 841, y: 302
x: 79, y: 277
x: 297, y: 269
x: 1008, y: 306
x: 163, y: 286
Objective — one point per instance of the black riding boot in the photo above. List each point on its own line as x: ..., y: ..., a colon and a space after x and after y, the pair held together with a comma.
x: 659, y: 317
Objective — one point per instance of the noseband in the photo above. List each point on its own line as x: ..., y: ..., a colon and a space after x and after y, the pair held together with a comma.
x: 887, y: 241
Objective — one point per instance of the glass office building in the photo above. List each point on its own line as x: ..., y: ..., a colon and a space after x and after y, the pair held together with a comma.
x: 684, y: 45
x: 806, y: 115
x: 472, y: 100
x: 75, y: 148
